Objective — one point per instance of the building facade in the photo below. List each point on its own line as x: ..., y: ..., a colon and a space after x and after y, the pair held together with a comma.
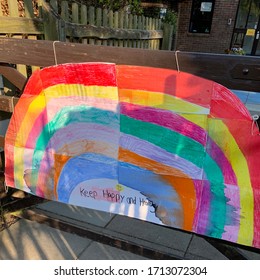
x: 217, y: 26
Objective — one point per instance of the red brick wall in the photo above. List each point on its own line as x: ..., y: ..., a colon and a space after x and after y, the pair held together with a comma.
x: 221, y: 33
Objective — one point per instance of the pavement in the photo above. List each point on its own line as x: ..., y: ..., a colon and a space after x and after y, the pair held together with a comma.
x: 57, y: 231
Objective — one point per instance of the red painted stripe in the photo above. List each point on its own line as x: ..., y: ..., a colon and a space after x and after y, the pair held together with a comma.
x: 146, y: 78
x: 226, y: 105
x: 183, y: 85
x: 88, y: 74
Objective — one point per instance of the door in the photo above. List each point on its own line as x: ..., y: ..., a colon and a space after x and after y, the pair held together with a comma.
x: 256, y: 44
x: 247, y: 27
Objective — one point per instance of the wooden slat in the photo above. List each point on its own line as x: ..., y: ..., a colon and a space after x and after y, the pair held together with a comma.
x: 2, y: 142
x: 16, y: 25
x: 54, y: 5
x: 91, y: 18
x: 13, y: 76
x: 211, y: 66
x: 167, y: 37
x: 13, y: 8
x: 65, y: 10
x: 21, y: 67
x: 84, y: 14
x: 33, y: 68
x: 105, y: 18
x: 7, y: 103
x: 75, y: 13
x: 50, y: 25
x: 28, y: 8
x: 91, y: 15
x: 81, y: 31
x: 99, y: 17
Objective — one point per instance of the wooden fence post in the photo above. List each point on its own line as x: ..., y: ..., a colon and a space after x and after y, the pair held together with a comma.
x: 50, y: 22
x: 61, y: 30
x: 167, y: 37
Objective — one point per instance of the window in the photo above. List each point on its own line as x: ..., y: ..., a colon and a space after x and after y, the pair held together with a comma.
x: 201, y: 16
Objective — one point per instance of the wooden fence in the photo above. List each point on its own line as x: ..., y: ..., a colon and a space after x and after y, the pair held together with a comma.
x: 102, y: 27
x: 74, y: 22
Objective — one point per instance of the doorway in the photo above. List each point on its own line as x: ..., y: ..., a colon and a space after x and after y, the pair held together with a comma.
x: 247, y: 28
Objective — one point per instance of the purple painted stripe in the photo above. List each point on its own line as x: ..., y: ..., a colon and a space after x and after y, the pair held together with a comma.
x: 232, y: 228
x: 203, y: 209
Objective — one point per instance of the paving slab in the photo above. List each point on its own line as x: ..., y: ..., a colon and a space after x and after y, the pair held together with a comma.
x: 85, y: 215
x: 199, y: 248
x: 98, y: 251
x: 250, y: 254
x: 173, y: 239
x: 26, y: 240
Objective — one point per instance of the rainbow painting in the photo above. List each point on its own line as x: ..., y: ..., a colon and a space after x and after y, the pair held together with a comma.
x: 155, y: 144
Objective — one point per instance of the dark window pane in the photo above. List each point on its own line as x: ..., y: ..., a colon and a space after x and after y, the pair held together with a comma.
x: 201, y: 16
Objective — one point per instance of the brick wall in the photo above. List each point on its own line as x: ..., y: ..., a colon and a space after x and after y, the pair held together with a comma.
x: 221, y: 33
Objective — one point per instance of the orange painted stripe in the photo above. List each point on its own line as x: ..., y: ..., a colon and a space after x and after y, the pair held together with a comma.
x: 59, y: 162
x: 181, y: 183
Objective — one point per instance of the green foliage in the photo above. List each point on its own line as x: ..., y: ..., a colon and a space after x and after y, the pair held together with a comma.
x: 171, y: 18
x: 133, y: 5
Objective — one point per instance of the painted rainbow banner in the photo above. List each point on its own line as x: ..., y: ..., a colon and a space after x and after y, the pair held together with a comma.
x: 154, y: 144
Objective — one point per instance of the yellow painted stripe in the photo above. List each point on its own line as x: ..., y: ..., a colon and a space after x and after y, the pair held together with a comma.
x: 219, y: 132
x: 161, y: 101
x: 63, y: 90
x: 199, y: 120
x: 19, y: 167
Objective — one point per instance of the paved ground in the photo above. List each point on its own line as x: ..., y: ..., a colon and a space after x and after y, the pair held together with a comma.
x: 54, y: 231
